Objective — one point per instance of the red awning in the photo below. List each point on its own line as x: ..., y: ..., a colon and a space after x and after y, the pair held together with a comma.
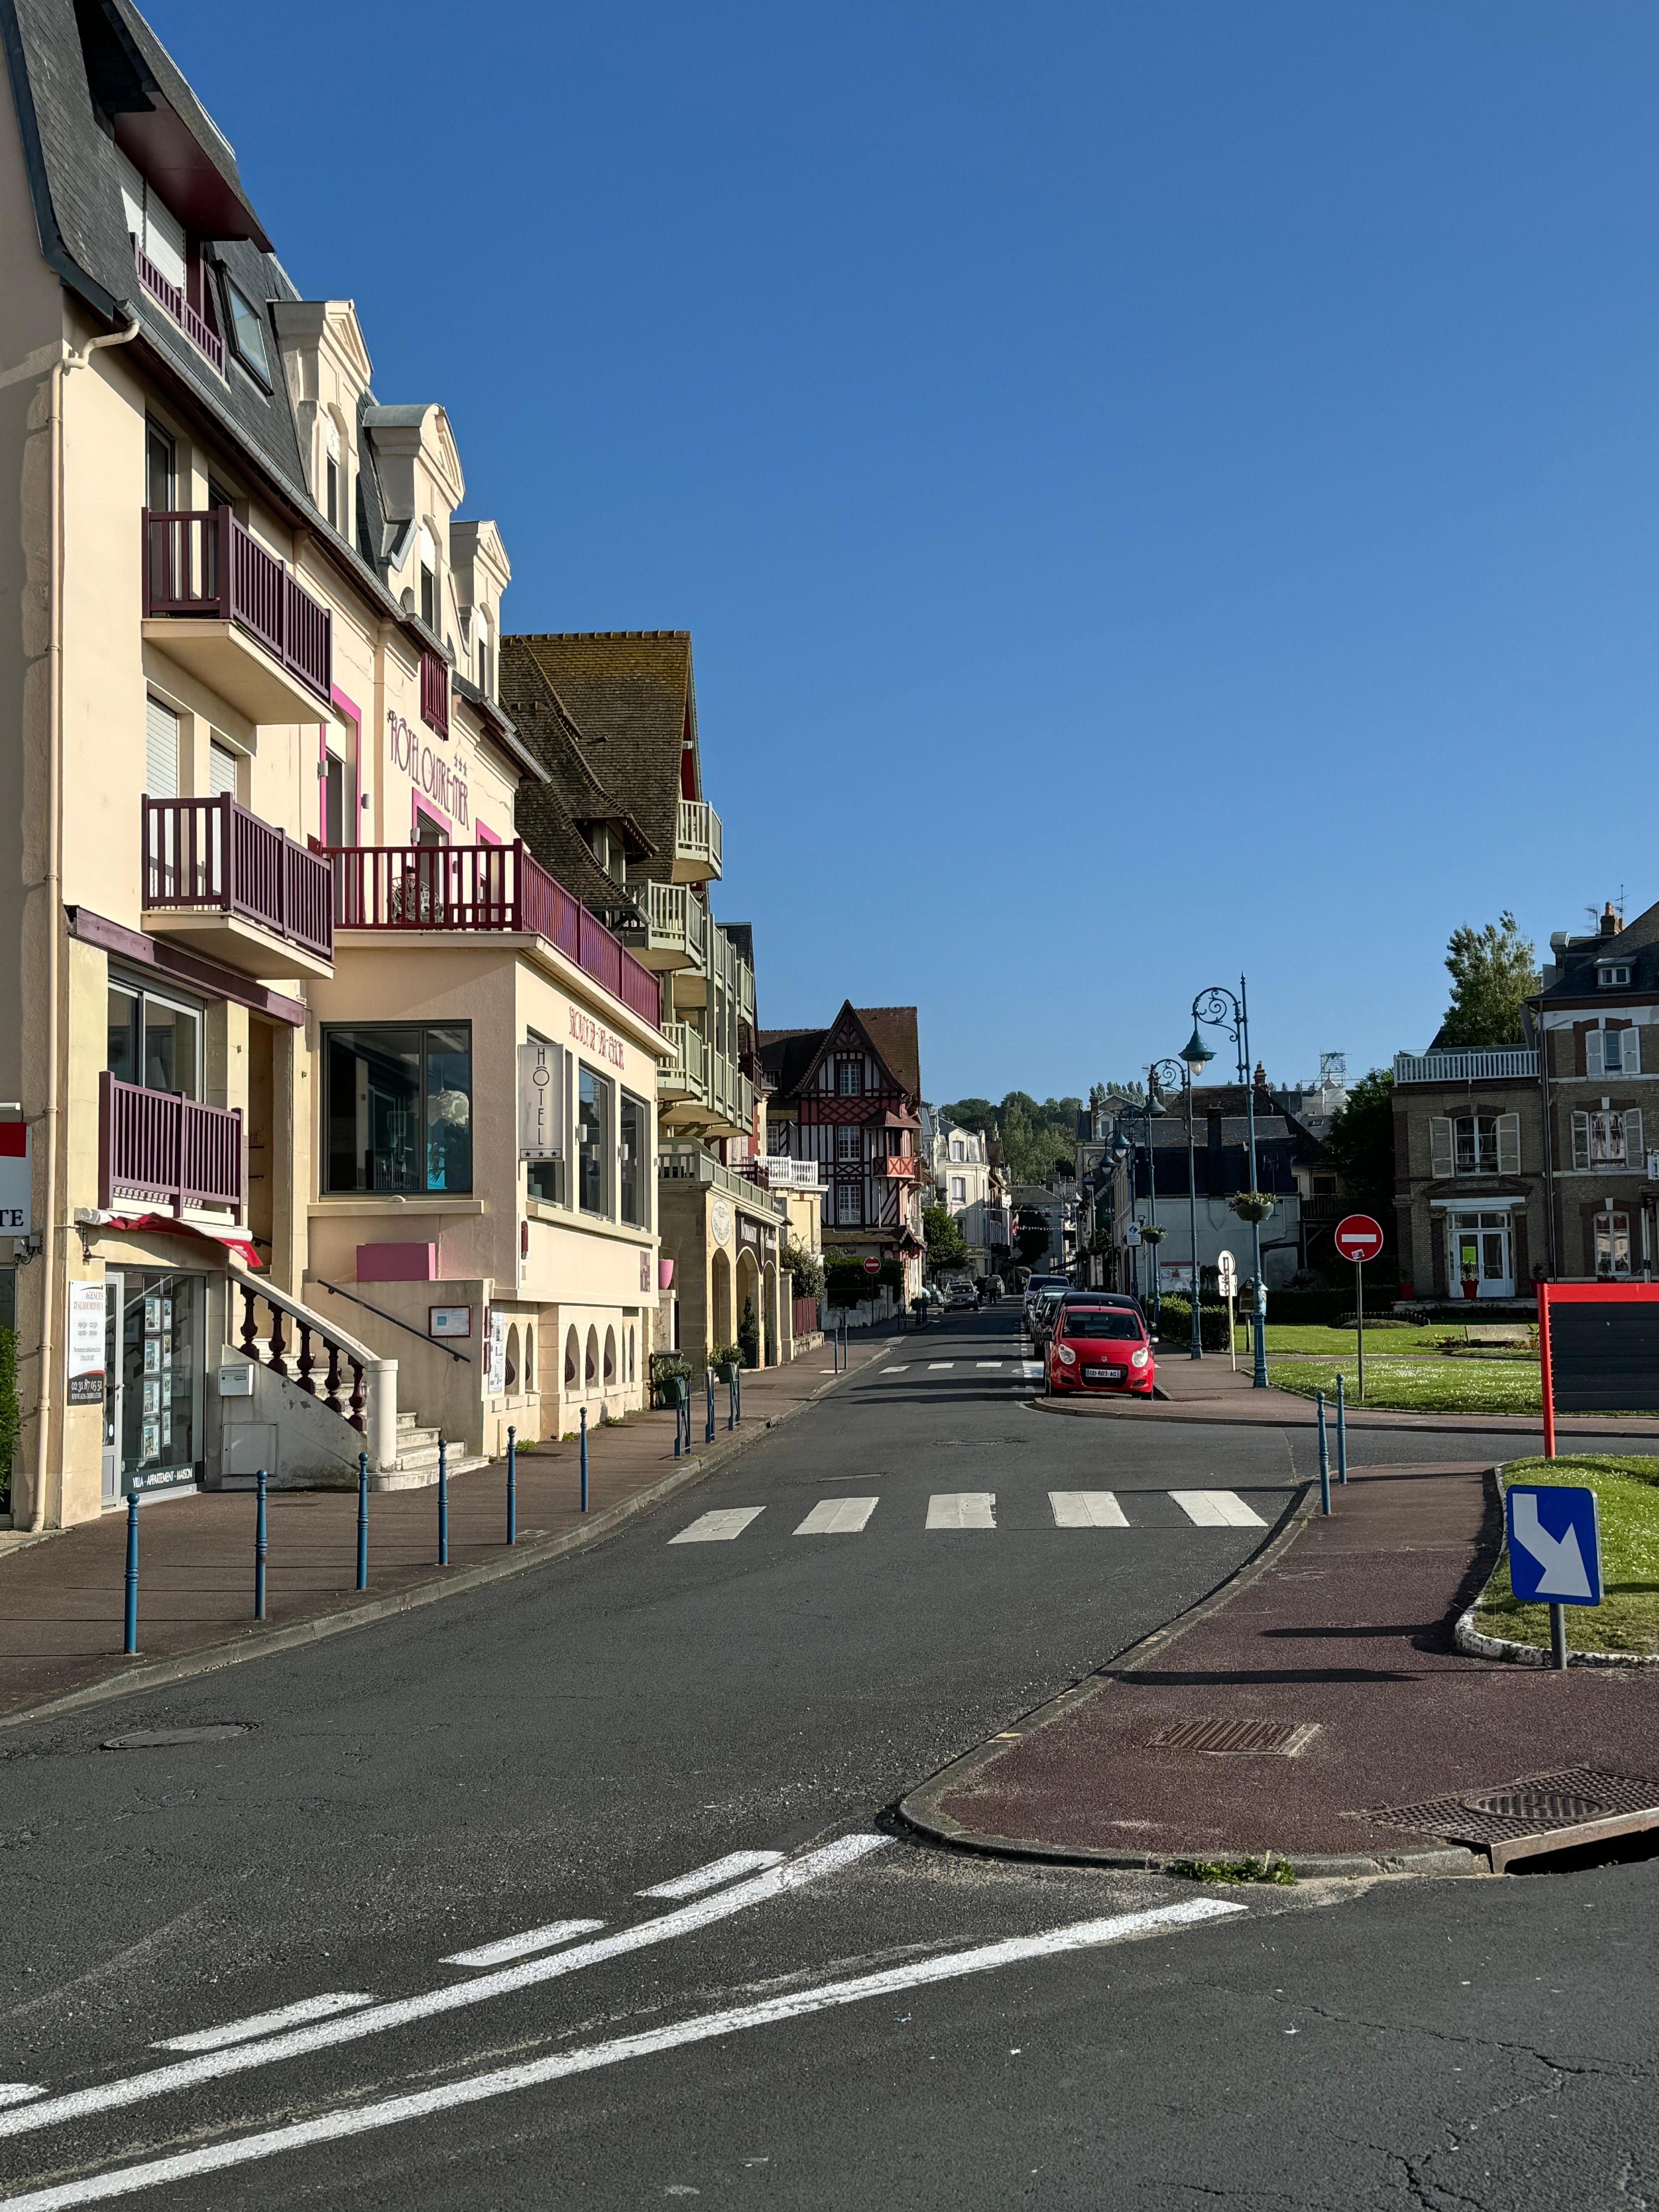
x: 234, y: 1240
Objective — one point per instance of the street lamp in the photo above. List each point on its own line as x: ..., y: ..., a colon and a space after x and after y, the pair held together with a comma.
x: 1227, y: 1011
x: 1147, y: 1115
x: 1181, y: 1072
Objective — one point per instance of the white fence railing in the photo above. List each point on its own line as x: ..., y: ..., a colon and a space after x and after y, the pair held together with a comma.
x: 1464, y: 1066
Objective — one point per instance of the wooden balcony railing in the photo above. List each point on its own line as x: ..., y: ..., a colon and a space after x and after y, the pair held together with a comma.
x: 697, y: 836
x: 206, y: 340
x: 901, y: 1167
x: 155, y: 1146
x: 204, y: 564
x: 483, y: 887
x: 435, y: 691
x: 207, y: 852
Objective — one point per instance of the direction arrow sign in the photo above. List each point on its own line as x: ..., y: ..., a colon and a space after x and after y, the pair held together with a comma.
x: 1555, y: 1544
x: 1358, y: 1238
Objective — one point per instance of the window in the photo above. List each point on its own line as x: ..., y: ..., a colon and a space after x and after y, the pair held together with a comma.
x: 635, y: 1129
x: 339, y: 801
x: 850, y: 1078
x: 1614, y: 1051
x: 957, y: 1152
x: 959, y: 1190
x: 397, y: 1108
x: 1475, y: 1144
x: 481, y: 659
x: 161, y: 750
x: 247, y: 331
x: 160, y: 469
x: 849, y: 1202
x: 1476, y: 1136
x: 153, y: 1041
x: 429, y: 580
x: 1612, y: 1240
x: 594, y: 1096
x: 1608, y: 1138
x: 1613, y: 976
x: 332, y: 504
x: 153, y: 226
x: 221, y: 770
x: 849, y: 1142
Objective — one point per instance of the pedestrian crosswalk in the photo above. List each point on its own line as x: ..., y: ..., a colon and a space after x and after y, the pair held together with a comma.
x: 977, y: 1509
x: 1026, y: 1370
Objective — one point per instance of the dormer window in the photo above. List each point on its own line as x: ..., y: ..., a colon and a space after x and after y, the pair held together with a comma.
x: 247, y: 331
x: 1614, y: 975
x: 429, y: 580
x: 332, y: 506
x: 482, y: 659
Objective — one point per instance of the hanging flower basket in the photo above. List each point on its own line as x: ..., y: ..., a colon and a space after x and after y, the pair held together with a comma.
x: 1252, y: 1205
x: 1150, y: 1234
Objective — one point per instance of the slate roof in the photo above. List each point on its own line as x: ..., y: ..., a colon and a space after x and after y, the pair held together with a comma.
x: 630, y: 696
x: 1637, y: 946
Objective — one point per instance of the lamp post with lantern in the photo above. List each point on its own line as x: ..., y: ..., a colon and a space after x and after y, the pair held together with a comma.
x: 1181, y: 1071
x: 1124, y: 1148
x: 1229, y: 1011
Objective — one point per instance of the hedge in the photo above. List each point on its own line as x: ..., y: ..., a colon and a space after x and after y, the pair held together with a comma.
x: 1174, y: 1326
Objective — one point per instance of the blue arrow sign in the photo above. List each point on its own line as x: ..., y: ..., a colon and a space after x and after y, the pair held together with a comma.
x: 1555, y: 1544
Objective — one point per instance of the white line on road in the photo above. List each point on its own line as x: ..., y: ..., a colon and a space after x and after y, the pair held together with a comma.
x: 797, y: 2004
x: 988, y: 1363
x: 838, y: 1516
x: 16, y: 2092
x: 1031, y: 1370
x: 520, y: 1947
x: 1086, y: 1509
x: 719, y: 1528
x: 186, y: 2073
x: 962, y: 1509
x: 905, y: 1370
x: 712, y: 1875
x: 268, y: 2023
x: 936, y: 1366
x: 1217, y: 1509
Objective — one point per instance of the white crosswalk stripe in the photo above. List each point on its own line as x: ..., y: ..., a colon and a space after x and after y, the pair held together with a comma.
x: 988, y: 1363
x: 962, y: 1509
x: 838, y: 1516
x: 719, y: 1528
x: 1217, y: 1509
x: 935, y: 1366
x: 895, y: 1370
x: 1086, y: 1509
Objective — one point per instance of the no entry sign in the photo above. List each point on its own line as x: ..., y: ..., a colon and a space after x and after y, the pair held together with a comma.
x: 872, y: 1266
x: 1358, y: 1238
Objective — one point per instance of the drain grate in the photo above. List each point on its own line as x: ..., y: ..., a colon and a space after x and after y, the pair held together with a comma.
x: 1277, y: 1739
x: 1535, y: 1813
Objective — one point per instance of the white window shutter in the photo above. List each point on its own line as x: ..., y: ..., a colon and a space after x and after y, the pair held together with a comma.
x: 1593, y: 1053
x: 1440, y: 1145
x: 1509, y: 1143
x: 1581, y: 1139
x: 221, y: 770
x: 1635, y: 1158
x: 161, y: 750
x: 1633, y: 1049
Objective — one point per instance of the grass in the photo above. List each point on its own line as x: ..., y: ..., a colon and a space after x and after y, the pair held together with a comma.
x: 1627, y: 1507
x: 1269, y: 1868
x: 1394, y: 1337
x: 1431, y: 1385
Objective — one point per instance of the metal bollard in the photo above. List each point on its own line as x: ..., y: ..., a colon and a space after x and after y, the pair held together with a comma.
x: 737, y: 1385
x: 708, y: 1433
x: 260, y: 1547
x: 584, y: 1459
x: 443, y: 1503
x: 1341, y: 1434
x: 1324, y: 1459
x: 512, y: 1484
x: 130, y: 1631
x: 731, y: 1399
x: 362, y: 1520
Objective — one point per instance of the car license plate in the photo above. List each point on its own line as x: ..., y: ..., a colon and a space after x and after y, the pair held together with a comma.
x: 1102, y: 1374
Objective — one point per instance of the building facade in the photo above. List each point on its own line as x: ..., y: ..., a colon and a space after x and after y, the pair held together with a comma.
x: 966, y: 1184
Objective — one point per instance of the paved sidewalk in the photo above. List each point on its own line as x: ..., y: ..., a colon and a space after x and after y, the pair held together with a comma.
x: 61, y: 1597
x: 1344, y: 1628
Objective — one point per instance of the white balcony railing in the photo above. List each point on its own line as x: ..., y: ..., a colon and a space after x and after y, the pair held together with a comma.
x: 1464, y: 1066
x: 696, y: 843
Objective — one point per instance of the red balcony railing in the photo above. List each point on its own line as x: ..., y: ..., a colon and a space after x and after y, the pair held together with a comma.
x: 434, y: 692
x: 206, y: 340
x: 163, y: 1150
x: 204, y: 564
x: 483, y: 887
x: 200, y: 853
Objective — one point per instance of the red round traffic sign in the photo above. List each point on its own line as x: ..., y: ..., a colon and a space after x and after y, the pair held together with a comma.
x: 1358, y: 1238
x: 872, y: 1266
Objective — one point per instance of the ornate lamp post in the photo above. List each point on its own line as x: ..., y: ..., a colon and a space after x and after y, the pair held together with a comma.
x: 1229, y: 1011
x: 1181, y: 1071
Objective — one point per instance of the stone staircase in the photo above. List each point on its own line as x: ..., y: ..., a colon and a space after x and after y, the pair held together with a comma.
x: 416, y: 1463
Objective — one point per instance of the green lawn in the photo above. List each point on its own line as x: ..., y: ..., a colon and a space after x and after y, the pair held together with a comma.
x: 1627, y: 1506
x: 1334, y: 1342
x: 1431, y: 1385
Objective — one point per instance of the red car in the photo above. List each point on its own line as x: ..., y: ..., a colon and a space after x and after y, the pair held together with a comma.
x: 1100, y: 1347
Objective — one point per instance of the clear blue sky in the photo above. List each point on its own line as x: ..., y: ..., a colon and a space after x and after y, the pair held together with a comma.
x: 1154, y: 489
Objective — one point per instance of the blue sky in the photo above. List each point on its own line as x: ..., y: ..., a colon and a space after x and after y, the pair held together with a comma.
x: 1154, y: 489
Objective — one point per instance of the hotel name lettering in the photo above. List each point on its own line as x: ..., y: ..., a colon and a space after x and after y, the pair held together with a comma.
x: 426, y: 766
x: 589, y: 1033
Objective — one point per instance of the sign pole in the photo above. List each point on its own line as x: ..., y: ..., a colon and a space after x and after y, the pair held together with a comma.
x: 1545, y: 1379
x: 1232, y: 1334
x: 1359, y: 1318
x: 1559, y: 1638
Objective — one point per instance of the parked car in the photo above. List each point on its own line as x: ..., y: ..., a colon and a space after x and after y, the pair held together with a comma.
x: 962, y: 1296
x: 1040, y: 1322
x: 1036, y: 1284
x: 1099, y: 1346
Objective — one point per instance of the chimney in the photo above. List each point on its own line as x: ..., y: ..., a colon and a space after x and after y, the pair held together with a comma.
x: 1609, y: 921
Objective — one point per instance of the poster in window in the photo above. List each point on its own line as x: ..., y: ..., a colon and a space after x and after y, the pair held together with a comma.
x: 152, y: 1313
x: 152, y: 1355
x: 495, y: 1355
x: 151, y: 1441
x: 85, y: 1345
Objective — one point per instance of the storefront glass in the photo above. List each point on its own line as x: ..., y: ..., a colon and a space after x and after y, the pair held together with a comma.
x: 154, y: 1357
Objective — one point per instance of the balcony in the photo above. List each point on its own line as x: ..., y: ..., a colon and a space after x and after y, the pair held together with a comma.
x: 206, y: 340
x: 676, y: 929
x: 157, y: 1149
x: 696, y: 843
x: 472, y: 889
x: 901, y: 1167
x: 685, y: 1076
x: 777, y: 1172
x: 693, y: 1163
x: 229, y: 885
x: 731, y: 1096
x: 1464, y: 1066
x: 223, y: 607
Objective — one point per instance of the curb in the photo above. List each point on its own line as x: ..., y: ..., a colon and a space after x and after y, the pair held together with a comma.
x: 920, y: 1808
x: 1479, y: 1646
x: 525, y: 1555
x: 1358, y: 1418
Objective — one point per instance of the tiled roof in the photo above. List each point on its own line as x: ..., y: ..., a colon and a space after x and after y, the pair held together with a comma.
x: 790, y: 1055
x: 892, y: 1030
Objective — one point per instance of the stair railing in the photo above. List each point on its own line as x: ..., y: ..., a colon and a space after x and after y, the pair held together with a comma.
x: 356, y: 1384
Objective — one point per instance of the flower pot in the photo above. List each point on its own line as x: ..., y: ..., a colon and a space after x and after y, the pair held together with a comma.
x: 1471, y: 1287
x: 665, y: 1273
x: 727, y: 1370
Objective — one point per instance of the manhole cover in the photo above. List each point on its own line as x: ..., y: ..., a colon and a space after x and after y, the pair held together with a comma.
x: 1509, y: 1820
x: 1280, y: 1738
x: 159, y: 1739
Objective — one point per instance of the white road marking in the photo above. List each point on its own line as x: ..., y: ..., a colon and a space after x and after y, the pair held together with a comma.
x: 988, y: 1363
x: 186, y: 2072
x: 719, y: 1528
x: 962, y: 1509
x: 1086, y: 1509
x: 1217, y: 1509
x: 268, y: 2023
x: 1031, y: 1370
x: 520, y: 1947
x: 905, y: 1370
x: 16, y: 2092
x: 712, y: 1875
x: 838, y: 1516
x: 936, y: 1366
x: 796, y: 2004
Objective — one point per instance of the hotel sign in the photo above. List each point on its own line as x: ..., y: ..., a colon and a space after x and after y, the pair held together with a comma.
x: 426, y: 766
x: 541, y: 1102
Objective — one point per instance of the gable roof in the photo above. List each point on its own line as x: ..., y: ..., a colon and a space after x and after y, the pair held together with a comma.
x: 1636, y: 946
x: 791, y: 1055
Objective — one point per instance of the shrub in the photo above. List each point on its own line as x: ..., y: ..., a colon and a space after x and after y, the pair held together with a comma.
x: 806, y: 1272
x: 1176, y: 1325
x: 749, y: 1335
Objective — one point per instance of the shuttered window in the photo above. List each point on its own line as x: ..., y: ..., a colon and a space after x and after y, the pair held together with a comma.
x: 1440, y: 1145
x: 159, y: 234
x: 1635, y: 1158
x: 1592, y: 1063
x: 1621, y: 1051
x: 1581, y: 1140
x: 1509, y: 1143
x: 160, y: 750
x: 221, y: 770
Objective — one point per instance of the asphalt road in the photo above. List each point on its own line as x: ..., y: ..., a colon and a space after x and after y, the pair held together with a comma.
x: 843, y: 2015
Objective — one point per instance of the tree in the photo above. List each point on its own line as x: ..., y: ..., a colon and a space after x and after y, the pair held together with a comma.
x: 1031, y: 1235
x: 947, y: 1249
x: 1493, y: 970
x: 1360, y: 1148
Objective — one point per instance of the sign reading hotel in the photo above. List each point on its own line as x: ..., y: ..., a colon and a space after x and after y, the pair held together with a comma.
x: 541, y: 1134
x: 588, y: 1032
x: 427, y: 769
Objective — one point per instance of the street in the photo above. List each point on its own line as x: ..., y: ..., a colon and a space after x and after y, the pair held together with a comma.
x: 429, y: 1829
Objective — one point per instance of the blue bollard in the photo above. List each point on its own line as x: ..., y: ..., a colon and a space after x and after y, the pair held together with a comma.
x: 1341, y: 1434
x: 260, y: 1547
x: 584, y: 1459
x: 512, y: 1485
x: 443, y: 1503
x: 130, y: 1632
x: 731, y: 1399
x: 737, y: 1386
x: 362, y: 1520
x: 708, y: 1433
x: 1324, y: 1459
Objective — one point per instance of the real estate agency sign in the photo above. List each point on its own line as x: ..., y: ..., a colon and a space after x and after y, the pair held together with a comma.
x: 16, y: 1165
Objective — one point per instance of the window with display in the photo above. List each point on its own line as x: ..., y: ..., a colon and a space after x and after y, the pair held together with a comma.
x: 398, y: 1107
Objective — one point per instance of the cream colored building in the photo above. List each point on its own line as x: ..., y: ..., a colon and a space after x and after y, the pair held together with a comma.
x: 339, y: 1111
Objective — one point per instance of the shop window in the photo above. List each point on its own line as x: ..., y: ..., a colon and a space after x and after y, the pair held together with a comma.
x: 594, y: 1109
x: 1612, y: 1237
x: 610, y: 1357
x: 398, y: 1107
x: 153, y: 1041
x: 635, y: 1132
